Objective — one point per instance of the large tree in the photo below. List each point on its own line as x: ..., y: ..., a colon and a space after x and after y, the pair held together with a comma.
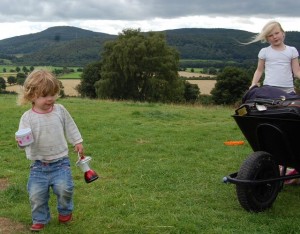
x: 140, y: 66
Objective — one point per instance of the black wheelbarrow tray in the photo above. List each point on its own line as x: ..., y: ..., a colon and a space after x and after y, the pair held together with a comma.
x: 275, y: 142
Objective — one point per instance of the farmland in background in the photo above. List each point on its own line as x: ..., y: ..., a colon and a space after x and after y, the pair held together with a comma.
x: 71, y: 80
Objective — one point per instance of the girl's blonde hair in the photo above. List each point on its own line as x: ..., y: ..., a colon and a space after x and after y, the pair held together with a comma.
x: 266, y: 30
x: 39, y: 83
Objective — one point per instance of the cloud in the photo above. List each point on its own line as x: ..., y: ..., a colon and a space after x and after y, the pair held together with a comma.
x: 20, y: 17
x: 61, y: 10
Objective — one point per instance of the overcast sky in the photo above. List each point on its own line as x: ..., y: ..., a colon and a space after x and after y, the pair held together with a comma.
x: 20, y: 17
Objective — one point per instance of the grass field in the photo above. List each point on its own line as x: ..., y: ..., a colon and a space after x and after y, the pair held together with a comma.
x: 161, y: 169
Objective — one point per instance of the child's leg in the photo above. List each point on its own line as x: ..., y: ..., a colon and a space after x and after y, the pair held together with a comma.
x: 38, y: 189
x: 62, y: 184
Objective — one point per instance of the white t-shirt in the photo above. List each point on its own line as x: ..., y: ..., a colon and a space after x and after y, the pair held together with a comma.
x: 50, y: 133
x: 278, y: 67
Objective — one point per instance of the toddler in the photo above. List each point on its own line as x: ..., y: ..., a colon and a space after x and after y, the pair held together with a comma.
x: 52, y: 127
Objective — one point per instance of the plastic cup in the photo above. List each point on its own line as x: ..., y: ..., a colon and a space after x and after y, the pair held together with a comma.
x: 24, y: 137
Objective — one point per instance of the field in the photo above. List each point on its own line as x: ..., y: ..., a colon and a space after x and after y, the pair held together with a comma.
x: 69, y: 87
x: 205, y: 85
x: 70, y: 84
x: 161, y: 169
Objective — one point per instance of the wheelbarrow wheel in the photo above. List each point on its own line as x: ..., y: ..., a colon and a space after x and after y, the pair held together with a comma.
x: 258, y: 197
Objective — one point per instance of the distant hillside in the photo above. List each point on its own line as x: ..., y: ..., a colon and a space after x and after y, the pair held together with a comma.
x: 71, y: 46
x: 214, y: 44
x: 220, y: 44
x: 55, y: 36
x: 62, y: 45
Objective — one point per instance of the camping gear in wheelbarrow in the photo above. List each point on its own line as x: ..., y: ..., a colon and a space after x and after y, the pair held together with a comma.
x: 272, y: 128
x: 266, y: 92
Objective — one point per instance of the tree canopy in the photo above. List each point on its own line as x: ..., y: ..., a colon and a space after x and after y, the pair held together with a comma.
x: 140, y: 66
x: 231, y: 84
x: 90, y: 74
x: 2, y: 84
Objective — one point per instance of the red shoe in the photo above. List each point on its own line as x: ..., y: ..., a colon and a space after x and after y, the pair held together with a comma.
x: 64, y: 218
x: 37, y: 227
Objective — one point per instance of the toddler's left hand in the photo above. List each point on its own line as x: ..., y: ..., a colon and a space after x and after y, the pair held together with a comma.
x: 79, y: 148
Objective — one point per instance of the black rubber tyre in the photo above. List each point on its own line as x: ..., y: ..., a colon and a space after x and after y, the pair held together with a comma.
x: 257, y: 198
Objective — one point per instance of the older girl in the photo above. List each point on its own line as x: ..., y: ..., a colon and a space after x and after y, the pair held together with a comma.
x: 278, y: 61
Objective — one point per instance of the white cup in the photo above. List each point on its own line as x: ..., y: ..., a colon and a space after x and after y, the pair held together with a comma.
x: 24, y: 137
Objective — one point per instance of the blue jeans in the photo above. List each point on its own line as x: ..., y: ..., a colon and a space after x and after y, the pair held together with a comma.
x: 56, y: 175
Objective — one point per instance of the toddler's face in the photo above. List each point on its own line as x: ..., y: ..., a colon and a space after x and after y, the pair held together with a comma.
x: 44, y: 104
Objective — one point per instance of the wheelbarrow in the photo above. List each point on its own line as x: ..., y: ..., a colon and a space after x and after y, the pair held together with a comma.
x: 276, y: 144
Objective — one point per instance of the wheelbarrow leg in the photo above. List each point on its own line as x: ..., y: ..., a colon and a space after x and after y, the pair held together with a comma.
x: 282, y: 170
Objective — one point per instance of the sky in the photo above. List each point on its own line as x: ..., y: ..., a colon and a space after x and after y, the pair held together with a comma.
x: 21, y: 17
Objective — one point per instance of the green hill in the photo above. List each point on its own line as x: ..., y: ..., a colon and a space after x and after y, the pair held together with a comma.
x: 71, y: 46
x: 61, y: 45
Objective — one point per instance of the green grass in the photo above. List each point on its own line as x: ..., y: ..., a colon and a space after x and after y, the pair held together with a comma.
x: 72, y: 75
x: 200, y: 60
x: 161, y: 169
x: 196, y: 70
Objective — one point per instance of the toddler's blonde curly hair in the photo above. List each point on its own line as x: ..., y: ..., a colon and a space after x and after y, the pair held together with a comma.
x: 39, y: 83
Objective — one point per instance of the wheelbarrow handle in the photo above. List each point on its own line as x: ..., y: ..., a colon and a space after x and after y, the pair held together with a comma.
x: 268, y: 101
x: 232, y: 179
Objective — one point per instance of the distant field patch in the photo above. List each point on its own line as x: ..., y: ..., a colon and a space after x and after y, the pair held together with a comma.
x: 205, y: 86
x: 11, y: 71
x: 69, y: 87
x: 72, y: 75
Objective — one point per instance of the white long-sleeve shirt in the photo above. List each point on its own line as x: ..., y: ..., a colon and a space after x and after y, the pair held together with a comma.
x: 51, y: 131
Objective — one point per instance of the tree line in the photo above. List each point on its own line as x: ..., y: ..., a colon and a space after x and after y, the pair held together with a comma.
x: 142, y: 67
x: 70, y: 46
